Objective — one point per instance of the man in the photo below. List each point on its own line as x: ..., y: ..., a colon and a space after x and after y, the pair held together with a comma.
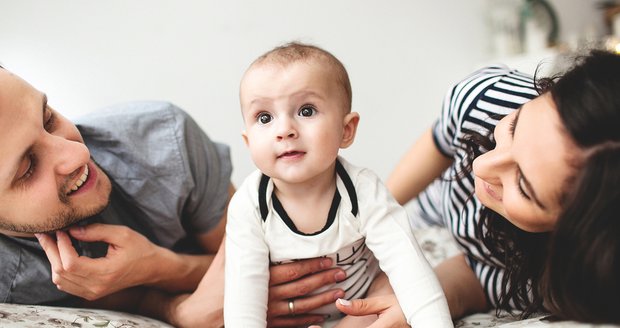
x: 132, y: 196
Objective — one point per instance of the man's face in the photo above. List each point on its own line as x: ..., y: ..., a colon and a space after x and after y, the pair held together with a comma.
x: 47, y: 179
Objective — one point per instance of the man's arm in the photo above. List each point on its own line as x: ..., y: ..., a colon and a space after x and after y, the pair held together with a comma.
x: 194, y: 271
x: 132, y: 260
x: 212, y: 240
x: 204, y: 307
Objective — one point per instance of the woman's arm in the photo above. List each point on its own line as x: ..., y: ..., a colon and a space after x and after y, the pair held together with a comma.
x: 461, y: 286
x: 422, y: 164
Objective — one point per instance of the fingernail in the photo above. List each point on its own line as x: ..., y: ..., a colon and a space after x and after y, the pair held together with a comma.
x: 38, y: 236
x: 340, y: 276
x: 326, y: 263
x: 77, y: 230
x: 344, y: 302
x: 338, y: 294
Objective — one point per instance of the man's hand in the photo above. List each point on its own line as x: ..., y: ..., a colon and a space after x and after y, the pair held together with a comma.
x: 292, y: 282
x: 131, y: 260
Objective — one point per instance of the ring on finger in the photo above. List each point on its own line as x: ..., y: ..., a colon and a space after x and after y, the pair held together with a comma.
x: 291, y: 307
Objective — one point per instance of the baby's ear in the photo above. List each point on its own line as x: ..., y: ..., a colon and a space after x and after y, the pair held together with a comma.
x: 350, y: 128
x: 244, y: 135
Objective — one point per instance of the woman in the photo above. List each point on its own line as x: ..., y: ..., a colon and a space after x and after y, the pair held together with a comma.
x: 542, y: 230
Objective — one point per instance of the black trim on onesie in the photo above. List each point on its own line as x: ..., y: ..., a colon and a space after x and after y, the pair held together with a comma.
x: 264, y: 210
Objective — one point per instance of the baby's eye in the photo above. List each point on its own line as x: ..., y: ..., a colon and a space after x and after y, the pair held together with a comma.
x: 307, y: 111
x: 264, y: 118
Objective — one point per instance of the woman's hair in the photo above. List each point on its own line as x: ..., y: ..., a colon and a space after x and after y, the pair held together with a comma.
x: 572, y: 271
x: 580, y: 280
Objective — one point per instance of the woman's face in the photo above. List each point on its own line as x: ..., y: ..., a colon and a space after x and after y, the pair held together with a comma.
x: 521, y: 179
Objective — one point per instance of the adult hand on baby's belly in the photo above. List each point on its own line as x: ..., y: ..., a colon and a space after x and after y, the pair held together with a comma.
x: 293, y: 282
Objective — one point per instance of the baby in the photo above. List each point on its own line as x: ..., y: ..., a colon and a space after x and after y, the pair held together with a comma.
x: 306, y: 201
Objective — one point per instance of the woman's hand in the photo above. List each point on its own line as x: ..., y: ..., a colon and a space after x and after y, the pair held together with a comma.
x: 385, y: 306
x: 290, y: 283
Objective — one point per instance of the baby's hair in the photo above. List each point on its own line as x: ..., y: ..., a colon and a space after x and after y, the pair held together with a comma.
x: 295, y: 51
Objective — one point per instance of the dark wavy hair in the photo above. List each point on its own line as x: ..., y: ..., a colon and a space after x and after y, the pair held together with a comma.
x: 573, y: 271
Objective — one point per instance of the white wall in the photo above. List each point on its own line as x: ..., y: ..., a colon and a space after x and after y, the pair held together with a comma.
x: 401, y: 56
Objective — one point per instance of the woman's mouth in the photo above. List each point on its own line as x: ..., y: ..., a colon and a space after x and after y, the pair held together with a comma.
x: 491, y: 192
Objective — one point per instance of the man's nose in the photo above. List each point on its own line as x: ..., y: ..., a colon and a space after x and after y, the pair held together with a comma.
x: 66, y: 155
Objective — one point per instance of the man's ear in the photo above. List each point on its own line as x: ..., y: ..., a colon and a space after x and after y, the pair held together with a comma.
x: 350, y: 128
x: 244, y: 135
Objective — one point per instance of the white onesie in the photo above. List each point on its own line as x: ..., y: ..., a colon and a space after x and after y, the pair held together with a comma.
x: 365, y: 225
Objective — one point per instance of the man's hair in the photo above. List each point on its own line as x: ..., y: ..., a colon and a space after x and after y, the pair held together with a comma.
x: 573, y: 270
x: 295, y: 51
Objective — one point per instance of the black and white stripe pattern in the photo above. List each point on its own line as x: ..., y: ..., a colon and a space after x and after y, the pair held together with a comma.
x: 475, y: 104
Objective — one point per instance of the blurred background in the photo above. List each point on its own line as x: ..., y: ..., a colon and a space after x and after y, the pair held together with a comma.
x: 402, y: 55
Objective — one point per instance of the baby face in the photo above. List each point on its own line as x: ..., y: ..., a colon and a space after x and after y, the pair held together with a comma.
x: 295, y: 119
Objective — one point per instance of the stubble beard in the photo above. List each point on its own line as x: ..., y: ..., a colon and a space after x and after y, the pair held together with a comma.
x: 56, y: 222
x: 68, y: 216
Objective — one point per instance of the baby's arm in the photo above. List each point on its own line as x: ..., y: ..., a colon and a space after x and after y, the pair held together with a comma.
x: 388, y: 235
x: 246, y: 267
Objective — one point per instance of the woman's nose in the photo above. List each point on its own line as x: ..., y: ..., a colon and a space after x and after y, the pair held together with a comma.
x: 491, y: 165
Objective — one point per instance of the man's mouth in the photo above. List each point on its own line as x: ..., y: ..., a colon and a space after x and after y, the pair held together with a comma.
x: 80, y: 181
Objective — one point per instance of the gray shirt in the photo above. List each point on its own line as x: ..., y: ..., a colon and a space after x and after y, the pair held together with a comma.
x: 169, y: 182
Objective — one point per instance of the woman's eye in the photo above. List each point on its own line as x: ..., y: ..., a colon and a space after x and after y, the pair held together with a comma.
x: 306, y: 111
x: 264, y: 118
x: 520, y: 183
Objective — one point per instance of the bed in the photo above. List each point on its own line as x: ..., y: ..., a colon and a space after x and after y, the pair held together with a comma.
x: 436, y: 243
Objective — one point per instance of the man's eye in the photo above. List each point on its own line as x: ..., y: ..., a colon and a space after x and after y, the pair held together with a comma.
x: 27, y: 167
x: 264, y: 118
x: 306, y: 111
x: 50, y: 119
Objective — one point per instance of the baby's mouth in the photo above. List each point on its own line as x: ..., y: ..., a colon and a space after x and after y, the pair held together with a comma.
x: 80, y: 181
x: 290, y: 154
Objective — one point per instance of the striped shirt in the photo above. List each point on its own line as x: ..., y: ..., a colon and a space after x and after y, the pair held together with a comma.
x: 476, y: 104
